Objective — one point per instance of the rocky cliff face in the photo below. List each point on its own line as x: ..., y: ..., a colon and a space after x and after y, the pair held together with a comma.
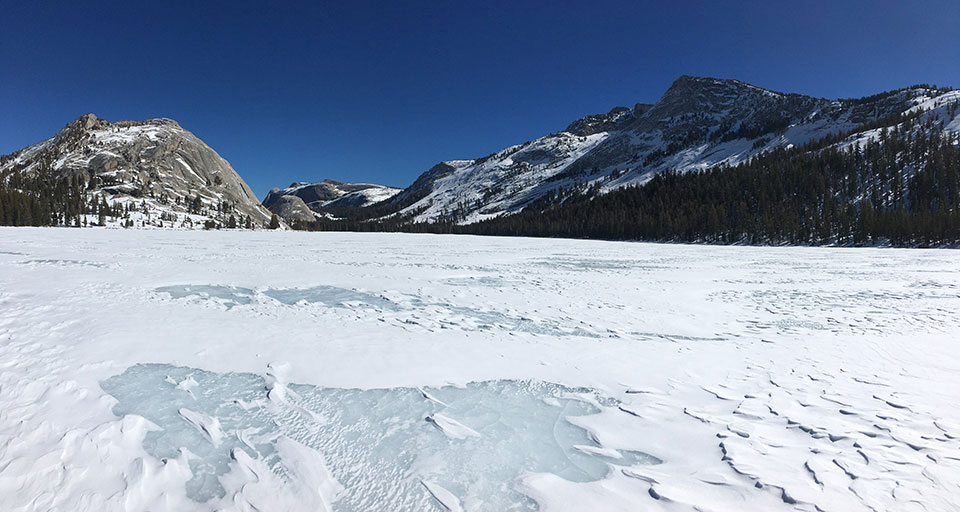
x: 699, y: 123
x: 617, y: 119
x: 155, y: 164
x: 323, y: 196
x: 291, y: 208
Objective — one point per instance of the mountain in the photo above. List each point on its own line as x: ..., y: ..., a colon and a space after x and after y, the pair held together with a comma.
x: 290, y: 208
x: 748, y: 163
x: 699, y: 123
x: 899, y: 185
x: 148, y: 173
x: 304, y: 201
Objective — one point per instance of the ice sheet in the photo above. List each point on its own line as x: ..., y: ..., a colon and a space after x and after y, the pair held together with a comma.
x: 763, y: 378
x: 386, y: 446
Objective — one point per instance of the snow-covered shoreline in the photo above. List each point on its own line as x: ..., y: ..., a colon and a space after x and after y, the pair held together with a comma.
x: 762, y: 378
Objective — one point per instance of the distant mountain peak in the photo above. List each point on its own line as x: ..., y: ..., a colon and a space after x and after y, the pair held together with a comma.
x: 78, y: 127
x: 296, y: 201
x: 86, y: 121
x: 688, y: 82
x: 707, y: 91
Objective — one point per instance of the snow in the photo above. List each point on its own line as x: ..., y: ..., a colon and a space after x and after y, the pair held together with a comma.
x: 509, y: 180
x: 161, y: 194
x: 127, y: 134
x: 180, y: 370
x: 935, y: 102
x: 512, y: 173
x: 936, y: 109
x: 447, y: 500
x: 185, y: 165
x: 372, y: 194
x: 451, y: 427
x: 208, y: 426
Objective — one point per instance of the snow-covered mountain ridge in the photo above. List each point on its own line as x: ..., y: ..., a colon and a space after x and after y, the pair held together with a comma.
x: 699, y: 123
x: 305, y: 201
x: 155, y: 168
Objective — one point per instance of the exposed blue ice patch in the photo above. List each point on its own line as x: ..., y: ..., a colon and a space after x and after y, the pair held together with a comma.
x: 64, y: 263
x: 379, y: 444
x: 228, y: 296
x: 231, y: 296
x: 328, y: 295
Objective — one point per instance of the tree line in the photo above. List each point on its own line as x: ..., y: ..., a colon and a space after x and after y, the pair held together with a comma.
x: 899, y: 188
x: 44, y: 197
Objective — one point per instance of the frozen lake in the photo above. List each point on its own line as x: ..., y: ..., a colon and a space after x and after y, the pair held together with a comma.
x: 179, y: 371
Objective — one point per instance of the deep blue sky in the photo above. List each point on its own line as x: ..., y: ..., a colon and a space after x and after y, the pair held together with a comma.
x: 380, y: 91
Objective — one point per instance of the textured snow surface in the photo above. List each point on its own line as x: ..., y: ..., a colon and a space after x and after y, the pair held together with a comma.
x: 164, y: 370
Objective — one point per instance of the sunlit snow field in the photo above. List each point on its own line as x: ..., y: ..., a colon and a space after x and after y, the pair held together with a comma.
x: 162, y: 370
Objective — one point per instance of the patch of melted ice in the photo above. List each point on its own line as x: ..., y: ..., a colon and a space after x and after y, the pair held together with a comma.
x: 63, y: 263
x: 231, y: 296
x: 328, y: 295
x: 228, y: 296
x: 387, y: 447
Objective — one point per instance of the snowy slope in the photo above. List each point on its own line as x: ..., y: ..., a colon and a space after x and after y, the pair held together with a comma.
x: 697, y: 124
x: 939, y: 112
x: 155, y: 165
x: 287, y: 371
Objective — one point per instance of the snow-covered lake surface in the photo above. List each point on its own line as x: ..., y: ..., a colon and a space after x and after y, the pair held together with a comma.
x: 163, y: 370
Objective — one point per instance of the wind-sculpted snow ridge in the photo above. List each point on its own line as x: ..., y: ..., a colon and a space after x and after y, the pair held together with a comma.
x: 701, y: 377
